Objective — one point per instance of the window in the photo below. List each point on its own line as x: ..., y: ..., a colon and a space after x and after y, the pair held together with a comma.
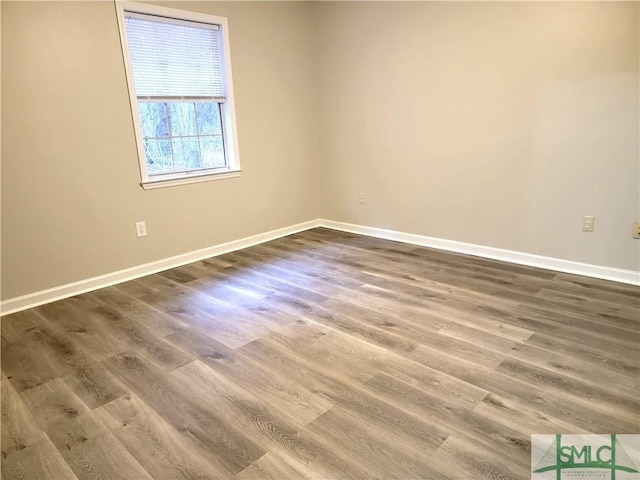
x: 179, y: 76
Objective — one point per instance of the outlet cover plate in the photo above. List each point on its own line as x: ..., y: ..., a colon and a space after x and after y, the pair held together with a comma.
x: 141, y: 229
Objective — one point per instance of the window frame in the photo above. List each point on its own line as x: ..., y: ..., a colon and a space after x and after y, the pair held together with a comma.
x: 227, y: 108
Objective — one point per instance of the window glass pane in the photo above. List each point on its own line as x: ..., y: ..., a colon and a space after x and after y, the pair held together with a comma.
x: 186, y: 153
x: 153, y: 119
x: 212, y: 151
x: 158, y: 156
x: 209, y: 118
x: 183, y: 118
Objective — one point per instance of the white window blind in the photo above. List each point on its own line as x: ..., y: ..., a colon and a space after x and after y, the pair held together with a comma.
x: 174, y: 58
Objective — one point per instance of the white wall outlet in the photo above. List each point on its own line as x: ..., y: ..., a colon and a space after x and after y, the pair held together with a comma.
x: 636, y: 230
x: 141, y: 229
x: 587, y: 223
x: 362, y: 199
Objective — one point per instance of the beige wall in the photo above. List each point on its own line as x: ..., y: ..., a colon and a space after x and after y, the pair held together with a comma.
x: 499, y: 124
x: 70, y: 176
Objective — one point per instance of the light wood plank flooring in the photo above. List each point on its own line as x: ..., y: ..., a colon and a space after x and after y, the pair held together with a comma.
x: 319, y: 355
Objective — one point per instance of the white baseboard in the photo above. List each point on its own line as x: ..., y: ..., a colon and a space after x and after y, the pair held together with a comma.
x: 64, y: 291
x: 23, y: 302
x: 607, y: 273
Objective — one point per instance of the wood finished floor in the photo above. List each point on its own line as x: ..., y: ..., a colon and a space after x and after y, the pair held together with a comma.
x: 318, y: 355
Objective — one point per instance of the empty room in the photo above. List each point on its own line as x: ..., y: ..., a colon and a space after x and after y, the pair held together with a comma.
x: 320, y: 240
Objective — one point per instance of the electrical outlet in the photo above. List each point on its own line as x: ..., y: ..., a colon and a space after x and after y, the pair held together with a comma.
x: 362, y: 199
x: 587, y: 223
x: 141, y: 229
x: 636, y: 230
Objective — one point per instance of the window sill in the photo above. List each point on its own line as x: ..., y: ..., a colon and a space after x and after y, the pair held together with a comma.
x: 186, y: 179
